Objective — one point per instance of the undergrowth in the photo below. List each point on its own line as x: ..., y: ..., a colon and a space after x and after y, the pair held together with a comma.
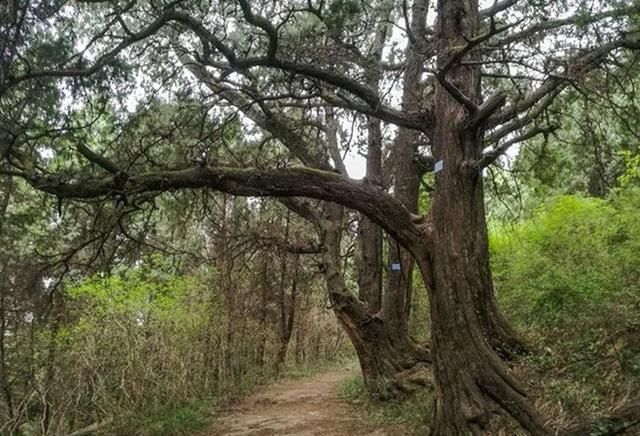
x: 170, y: 420
x: 190, y: 418
x: 569, y: 279
x: 406, y: 417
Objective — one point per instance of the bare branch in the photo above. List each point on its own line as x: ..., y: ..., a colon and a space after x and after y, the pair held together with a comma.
x: 521, y: 122
x: 103, y: 60
x: 491, y: 156
x: 422, y: 121
x: 488, y: 108
x: 99, y: 160
x: 579, y: 19
x: 330, y: 77
x: 262, y: 23
x: 496, y: 8
x: 473, y: 43
x: 276, y: 125
x: 301, y: 208
x: 456, y: 93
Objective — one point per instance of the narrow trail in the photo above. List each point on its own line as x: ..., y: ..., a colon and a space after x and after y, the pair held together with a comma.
x: 301, y: 407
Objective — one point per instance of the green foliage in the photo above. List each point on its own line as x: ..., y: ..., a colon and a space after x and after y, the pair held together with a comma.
x: 143, y: 294
x: 568, y: 261
x: 353, y: 389
x: 569, y: 278
x: 341, y: 12
x: 631, y: 176
x: 169, y: 420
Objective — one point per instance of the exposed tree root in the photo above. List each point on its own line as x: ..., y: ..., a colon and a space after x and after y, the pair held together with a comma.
x: 624, y: 421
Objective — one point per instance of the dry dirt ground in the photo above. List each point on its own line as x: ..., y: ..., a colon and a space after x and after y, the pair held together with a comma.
x: 301, y: 407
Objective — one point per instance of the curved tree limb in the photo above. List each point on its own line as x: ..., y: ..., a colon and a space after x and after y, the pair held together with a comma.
x: 376, y: 204
x: 579, y: 19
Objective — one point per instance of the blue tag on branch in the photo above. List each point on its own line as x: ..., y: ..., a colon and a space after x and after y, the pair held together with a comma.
x: 438, y: 166
x: 395, y: 267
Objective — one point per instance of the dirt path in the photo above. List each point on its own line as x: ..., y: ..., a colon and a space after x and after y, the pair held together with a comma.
x: 300, y: 407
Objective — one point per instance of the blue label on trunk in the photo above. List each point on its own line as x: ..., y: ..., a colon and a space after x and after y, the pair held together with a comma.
x: 395, y: 267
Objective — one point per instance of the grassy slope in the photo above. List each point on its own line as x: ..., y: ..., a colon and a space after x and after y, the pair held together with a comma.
x: 569, y: 279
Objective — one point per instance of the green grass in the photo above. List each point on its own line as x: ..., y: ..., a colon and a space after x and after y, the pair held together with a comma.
x: 171, y: 420
x: 408, y: 417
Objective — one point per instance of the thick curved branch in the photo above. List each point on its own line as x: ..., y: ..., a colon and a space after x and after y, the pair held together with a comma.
x: 376, y: 204
x: 330, y: 77
x: 97, y: 159
x: 272, y: 122
x: 302, y: 208
x: 264, y: 24
x: 422, y: 121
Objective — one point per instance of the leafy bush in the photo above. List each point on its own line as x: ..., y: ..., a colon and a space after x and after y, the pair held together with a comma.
x: 569, y: 278
x: 577, y: 257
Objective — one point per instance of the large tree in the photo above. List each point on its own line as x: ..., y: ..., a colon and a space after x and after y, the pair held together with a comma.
x: 479, y: 81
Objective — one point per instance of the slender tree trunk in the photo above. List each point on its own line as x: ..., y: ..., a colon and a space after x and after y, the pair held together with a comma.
x: 405, y: 181
x: 57, y: 313
x: 262, y: 317
x: 225, y: 282
x: 299, y: 341
x: 391, y: 364
x: 399, y: 290
x: 285, y: 311
x: 370, y: 235
x: 4, y: 378
x: 288, y: 309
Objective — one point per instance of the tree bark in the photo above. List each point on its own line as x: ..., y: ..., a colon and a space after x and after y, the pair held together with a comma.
x: 4, y: 377
x: 287, y: 305
x: 390, y: 365
x: 406, y: 184
x: 370, y: 234
x: 263, y: 285
x: 472, y: 382
x: 389, y: 372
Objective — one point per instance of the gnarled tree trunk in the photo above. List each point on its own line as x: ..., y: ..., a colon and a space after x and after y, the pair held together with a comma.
x: 472, y: 382
x: 389, y: 370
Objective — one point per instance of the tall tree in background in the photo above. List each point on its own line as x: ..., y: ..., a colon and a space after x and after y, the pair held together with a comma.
x: 486, y: 78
